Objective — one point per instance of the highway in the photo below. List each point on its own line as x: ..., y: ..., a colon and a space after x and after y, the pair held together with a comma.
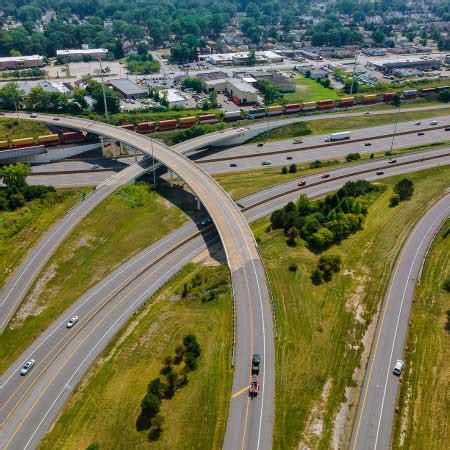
x: 375, y: 415
x: 30, y: 404
x: 247, y: 423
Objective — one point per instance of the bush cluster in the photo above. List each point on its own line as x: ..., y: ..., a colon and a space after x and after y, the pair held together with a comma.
x: 16, y: 191
x: 326, y: 221
x: 403, y: 190
x: 206, y: 288
x: 327, y: 265
x: 164, y: 387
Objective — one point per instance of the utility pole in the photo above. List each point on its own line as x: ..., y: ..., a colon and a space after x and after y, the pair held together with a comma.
x: 103, y: 89
x: 354, y: 71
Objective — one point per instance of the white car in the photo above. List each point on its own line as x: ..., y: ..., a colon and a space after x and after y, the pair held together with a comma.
x: 27, y: 367
x: 72, y: 321
x: 398, y: 367
x: 433, y: 122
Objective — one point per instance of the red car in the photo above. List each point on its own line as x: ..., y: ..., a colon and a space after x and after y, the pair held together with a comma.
x: 302, y: 183
x: 253, y: 389
x: 326, y: 175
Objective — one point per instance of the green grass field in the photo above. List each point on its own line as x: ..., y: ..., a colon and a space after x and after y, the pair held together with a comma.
x: 312, y: 127
x: 423, y: 419
x: 320, y: 329
x: 128, y: 221
x: 21, y: 229
x: 104, y: 409
x: 10, y: 129
x: 309, y: 90
x: 245, y: 182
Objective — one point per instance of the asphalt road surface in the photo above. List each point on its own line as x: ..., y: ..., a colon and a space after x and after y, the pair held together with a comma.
x: 375, y: 414
x: 31, y: 403
x: 247, y: 423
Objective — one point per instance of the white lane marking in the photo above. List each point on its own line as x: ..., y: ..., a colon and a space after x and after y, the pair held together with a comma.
x: 126, y: 312
x: 438, y: 219
x: 95, y: 292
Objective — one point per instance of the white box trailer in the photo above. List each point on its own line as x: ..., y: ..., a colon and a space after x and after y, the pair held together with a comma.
x: 342, y: 135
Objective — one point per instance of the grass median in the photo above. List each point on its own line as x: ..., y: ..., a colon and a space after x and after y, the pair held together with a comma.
x: 125, y: 223
x: 15, y: 129
x: 21, y: 229
x: 321, y: 331
x: 245, y: 182
x: 105, y: 407
x: 422, y: 419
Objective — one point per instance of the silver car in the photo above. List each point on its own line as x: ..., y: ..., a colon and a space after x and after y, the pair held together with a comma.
x: 72, y: 321
x: 27, y: 367
x: 398, y: 367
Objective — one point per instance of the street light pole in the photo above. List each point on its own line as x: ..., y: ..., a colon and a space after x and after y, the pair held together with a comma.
x: 103, y: 89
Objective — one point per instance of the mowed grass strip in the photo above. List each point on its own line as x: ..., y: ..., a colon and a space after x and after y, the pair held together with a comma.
x: 105, y: 407
x: 423, y: 419
x: 12, y: 129
x: 241, y: 183
x: 320, y: 329
x: 309, y: 90
x: 331, y: 125
x: 21, y: 229
x: 125, y: 223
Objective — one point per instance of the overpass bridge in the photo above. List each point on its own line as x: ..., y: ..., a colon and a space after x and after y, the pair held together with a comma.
x: 249, y: 423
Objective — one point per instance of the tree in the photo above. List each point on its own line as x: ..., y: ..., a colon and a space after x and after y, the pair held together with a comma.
x: 378, y: 37
x: 394, y: 200
x: 444, y: 96
x: 14, y: 175
x: 10, y: 96
x: 142, y: 48
x: 293, y: 168
x: 404, y: 189
x: 150, y: 405
x: 251, y: 61
x: 292, y: 236
x: 284, y: 170
x: 112, y: 101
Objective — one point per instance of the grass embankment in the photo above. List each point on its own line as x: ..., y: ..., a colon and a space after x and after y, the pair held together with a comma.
x: 10, y: 129
x: 422, y: 421
x: 312, y: 127
x: 309, y: 90
x: 320, y: 329
x: 21, y: 229
x: 105, y: 408
x: 128, y: 221
x: 242, y: 183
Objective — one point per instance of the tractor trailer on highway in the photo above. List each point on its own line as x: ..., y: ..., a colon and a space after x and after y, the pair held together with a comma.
x: 341, y: 136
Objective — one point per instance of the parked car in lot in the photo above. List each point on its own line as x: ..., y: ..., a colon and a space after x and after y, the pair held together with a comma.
x: 398, y: 367
x: 27, y: 367
x: 72, y: 321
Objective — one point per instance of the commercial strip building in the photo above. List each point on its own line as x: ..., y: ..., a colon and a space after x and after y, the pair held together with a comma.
x: 241, y: 58
x: 81, y: 54
x: 127, y: 89
x: 21, y: 62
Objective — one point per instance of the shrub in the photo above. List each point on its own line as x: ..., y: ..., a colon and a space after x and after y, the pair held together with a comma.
x: 292, y: 168
x: 284, y: 170
x: 352, y: 157
x: 394, y: 200
x: 316, y: 277
x: 404, y: 188
x: 293, y: 267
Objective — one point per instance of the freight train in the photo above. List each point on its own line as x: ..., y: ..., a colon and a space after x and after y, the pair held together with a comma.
x: 76, y: 137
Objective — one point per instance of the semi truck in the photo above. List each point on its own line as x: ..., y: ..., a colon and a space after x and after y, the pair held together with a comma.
x: 341, y: 136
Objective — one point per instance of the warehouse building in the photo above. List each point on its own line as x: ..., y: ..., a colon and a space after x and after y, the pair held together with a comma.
x: 389, y: 67
x: 127, y: 89
x: 81, y: 54
x: 21, y: 62
x: 241, y: 92
x: 174, y: 98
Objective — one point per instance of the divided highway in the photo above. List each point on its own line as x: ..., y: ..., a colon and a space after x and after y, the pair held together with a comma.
x: 376, y: 409
x: 248, y: 424
x: 32, y: 403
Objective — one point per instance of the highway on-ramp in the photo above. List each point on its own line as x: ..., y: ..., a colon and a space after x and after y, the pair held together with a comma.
x: 249, y: 424
x: 63, y: 356
x: 375, y: 413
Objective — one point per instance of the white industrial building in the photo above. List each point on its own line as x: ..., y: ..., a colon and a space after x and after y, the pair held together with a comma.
x: 241, y: 58
x: 174, y: 98
x: 21, y: 62
x: 241, y: 92
x: 81, y: 53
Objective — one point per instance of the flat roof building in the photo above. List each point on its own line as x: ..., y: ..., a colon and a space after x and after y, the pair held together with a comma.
x: 240, y: 91
x: 82, y: 53
x: 127, y: 88
x: 21, y: 62
x: 420, y: 64
x: 174, y: 98
x: 241, y: 58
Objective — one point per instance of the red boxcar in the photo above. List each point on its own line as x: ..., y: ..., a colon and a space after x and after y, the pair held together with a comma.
x: 292, y: 107
x: 387, y: 96
x: 146, y: 127
x: 167, y: 124
x: 207, y: 118
x: 72, y: 137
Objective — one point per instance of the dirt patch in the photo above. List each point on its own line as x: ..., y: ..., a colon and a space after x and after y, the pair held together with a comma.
x: 31, y: 306
x: 314, y: 424
x: 354, y: 301
x: 84, y: 241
